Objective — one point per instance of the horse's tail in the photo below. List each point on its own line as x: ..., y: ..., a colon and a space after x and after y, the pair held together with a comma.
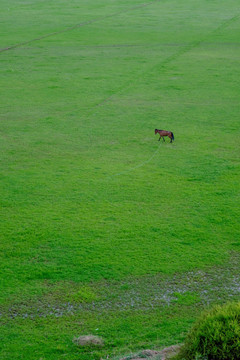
x: 172, y: 135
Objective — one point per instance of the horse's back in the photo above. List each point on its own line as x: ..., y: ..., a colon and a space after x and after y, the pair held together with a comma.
x: 164, y: 132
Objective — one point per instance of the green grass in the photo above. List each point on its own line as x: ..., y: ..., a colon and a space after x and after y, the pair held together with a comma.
x: 90, y: 201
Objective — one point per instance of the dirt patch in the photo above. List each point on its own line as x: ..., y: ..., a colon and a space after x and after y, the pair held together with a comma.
x: 170, y: 351
x: 164, y: 354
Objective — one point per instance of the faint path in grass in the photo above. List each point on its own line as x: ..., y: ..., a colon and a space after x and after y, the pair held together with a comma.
x: 92, y: 21
x: 76, y: 26
x: 183, y: 49
x: 138, y: 45
x: 216, y: 285
x: 137, y: 166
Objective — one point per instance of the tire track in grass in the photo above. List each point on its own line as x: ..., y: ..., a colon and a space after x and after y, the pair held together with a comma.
x: 154, y: 45
x: 170, y: 58
x: 76, y: 26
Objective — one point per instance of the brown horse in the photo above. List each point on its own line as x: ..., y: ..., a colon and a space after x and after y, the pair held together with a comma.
x: 163, y: 133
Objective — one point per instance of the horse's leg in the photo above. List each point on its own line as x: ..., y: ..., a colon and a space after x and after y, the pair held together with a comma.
x: 170, y: 137
x: 163, y: 139
x: 159, y: 138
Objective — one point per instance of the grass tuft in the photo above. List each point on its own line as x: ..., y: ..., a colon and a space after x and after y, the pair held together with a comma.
x: 88, y: 340
x: 215, y: 336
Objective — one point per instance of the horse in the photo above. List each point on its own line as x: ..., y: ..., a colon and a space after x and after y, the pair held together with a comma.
x: 163, y: 133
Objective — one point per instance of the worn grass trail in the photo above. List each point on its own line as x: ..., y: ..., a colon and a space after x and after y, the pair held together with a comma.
x: 90, y: 201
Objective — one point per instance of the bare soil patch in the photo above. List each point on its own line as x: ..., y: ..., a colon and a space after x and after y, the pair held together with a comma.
x: 164, y: 354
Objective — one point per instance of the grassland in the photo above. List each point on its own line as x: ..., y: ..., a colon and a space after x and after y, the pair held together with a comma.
x: 97, y: 217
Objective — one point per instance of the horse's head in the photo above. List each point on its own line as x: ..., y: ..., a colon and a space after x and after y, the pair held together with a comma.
x: 156, y: 130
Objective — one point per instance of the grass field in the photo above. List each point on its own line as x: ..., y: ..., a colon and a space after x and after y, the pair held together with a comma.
x: 105, y: 230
